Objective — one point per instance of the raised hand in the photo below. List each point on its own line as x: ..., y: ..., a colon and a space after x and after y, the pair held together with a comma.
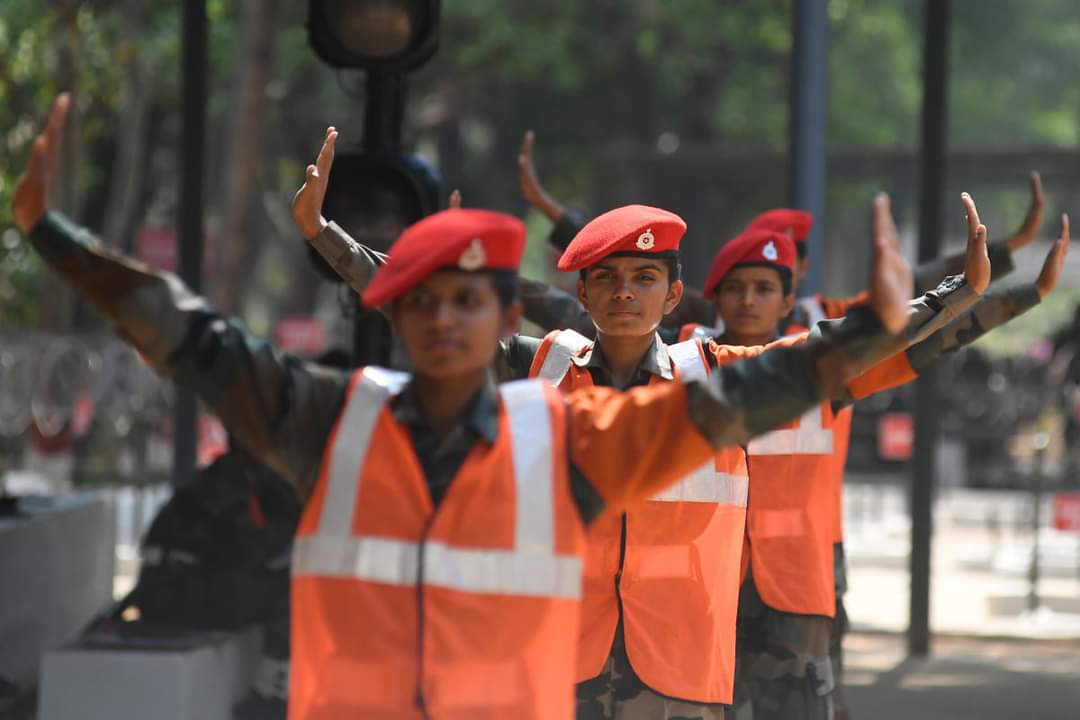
x: 1055, y: 261
x: 531, y: 189
x: 976, y: 261
x: 31, y: 196
x: 891, y: 281
x: 307, y: 204
x: 1033, y: 220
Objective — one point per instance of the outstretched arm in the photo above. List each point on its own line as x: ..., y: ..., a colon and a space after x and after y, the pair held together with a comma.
x: 1000, y: 252
x: 280, y: 409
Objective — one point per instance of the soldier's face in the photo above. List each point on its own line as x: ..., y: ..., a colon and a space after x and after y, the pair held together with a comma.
x: 451, y: 323
x: 751, y: 301
x: 628, y: 296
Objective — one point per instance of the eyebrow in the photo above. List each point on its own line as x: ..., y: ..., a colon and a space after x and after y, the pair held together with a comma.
x: 648, y: 265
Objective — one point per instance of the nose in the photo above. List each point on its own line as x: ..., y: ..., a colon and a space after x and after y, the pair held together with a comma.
x: 747, y: 297
x: 623, y: 290
x: 442, y: 315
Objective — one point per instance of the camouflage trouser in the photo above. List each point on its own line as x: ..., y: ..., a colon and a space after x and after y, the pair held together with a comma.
x: 840, y: 629
x: 782, y: 665
x: 618, y: 694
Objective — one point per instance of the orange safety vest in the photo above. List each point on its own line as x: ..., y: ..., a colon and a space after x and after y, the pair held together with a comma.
x: 791, y: 517
x: 671, y: 562
x: 470, y: 610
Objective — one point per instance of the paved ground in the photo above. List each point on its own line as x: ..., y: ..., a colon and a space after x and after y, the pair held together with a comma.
x: 963, y: 679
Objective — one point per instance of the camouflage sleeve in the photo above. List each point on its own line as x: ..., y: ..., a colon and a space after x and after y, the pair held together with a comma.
x: 554, y: 309
x: 565, y: 228
x: 279, y: 409
x: 354, y: 262
x: 930, y: 273
x: 993, y: 310
x: 759, y: 393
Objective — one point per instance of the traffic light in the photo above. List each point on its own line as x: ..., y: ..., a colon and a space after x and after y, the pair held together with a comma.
x: 376, y: 191
x: 390, y: 36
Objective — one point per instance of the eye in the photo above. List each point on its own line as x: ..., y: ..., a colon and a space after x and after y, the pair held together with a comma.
x: 647, y: 277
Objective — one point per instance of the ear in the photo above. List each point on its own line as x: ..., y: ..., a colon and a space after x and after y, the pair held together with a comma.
x: 788, y: 304
x: 582, y: 296
x: 674, y: 296
x: 802, y: 267
x: 511, y: 319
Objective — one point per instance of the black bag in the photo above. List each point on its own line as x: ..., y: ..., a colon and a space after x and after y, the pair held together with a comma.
x: 216, y: 557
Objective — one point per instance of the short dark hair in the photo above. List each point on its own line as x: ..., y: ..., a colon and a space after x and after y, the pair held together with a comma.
x: 668, y: 260
x: 786, y: 277
x: 802, y: 249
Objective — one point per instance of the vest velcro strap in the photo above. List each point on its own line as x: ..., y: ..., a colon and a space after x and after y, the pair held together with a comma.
x: 777, y: 523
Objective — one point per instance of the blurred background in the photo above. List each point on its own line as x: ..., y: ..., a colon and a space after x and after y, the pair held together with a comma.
x: 684, y: 105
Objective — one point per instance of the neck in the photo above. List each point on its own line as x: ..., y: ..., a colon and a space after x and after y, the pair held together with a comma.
x: 734, y: 338
x: 444, y: 399
x: 623, y: 354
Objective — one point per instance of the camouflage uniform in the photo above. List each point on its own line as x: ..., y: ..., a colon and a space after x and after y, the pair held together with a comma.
x: 618, y: 694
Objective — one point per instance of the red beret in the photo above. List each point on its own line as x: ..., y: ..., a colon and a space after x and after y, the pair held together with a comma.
x: 751, y: 247
x: 632, y: 229
x: 466, y: 239
x: 785, y: 220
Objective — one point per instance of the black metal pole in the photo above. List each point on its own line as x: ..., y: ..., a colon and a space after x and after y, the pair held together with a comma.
x: 384, y: 112
x: 927, y: 402
x: 808, y: 126
x: 190, y: 221
x: 1040, y: 442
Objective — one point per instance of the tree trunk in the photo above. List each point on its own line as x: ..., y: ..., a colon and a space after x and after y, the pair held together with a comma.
x: 126, y: 177
x: 242, y: 153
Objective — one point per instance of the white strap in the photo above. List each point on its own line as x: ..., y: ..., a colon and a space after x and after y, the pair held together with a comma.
x: 815, y: 312
x: 809, y: 438
x: 688, y: 358
x: 357, y: 422
x: 532, y: 447
x: 566, y: 346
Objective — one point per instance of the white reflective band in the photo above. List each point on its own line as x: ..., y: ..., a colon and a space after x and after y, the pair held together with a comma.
x: 396, y: 562
x: 375, y: 559
x: 502, y: 572
x: 708, y: 485
x: 815, y: 313
x: 810, y: 438
x: 354, y: 430
x: 534, y: 479
x: 687, y: 357
x: 567, y: 345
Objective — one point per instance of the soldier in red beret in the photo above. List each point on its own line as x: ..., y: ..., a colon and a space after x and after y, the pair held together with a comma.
x: 646, y: 668
x: 437, y: 568
x: 695, y: 313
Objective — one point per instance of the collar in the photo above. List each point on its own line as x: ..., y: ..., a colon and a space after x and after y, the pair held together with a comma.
x: 655, y: 362
x: 481, y: 414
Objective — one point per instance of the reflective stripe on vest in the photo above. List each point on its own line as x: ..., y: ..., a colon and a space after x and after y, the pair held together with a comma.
x: 568, y: 345
x: 706, y: 484
x: 810, y: 438
x: 531, y: 568
x: 815, y: 313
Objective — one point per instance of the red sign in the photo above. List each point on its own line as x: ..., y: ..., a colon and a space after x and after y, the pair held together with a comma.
x: 896, y: 435
x: 1067, y: 511
x: 300, y: 334
x: 157, y: 247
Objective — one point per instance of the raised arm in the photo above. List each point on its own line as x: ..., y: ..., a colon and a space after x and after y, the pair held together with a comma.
x: 278, y: 408
x: 1000, y: 252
